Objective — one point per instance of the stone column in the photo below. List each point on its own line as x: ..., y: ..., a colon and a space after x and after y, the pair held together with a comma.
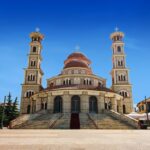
x: 114, y: 104
x: 101, y: 105
x: 38, y: 103
x: 50, y: 103
x: 120, y: 105
x: 66, y: 103
x: 84, y: 103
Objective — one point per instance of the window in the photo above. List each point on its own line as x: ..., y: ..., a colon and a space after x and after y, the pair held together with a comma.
x: 34, y: 49
x: 90, y: 82
x: 119, y: 48
x: 33, y: 63
x: 87, y: 82
x: 122, y: 78
x: 29, y: 93
x: 31, y: 77
x: 120, y: 63
x: 124, y: 94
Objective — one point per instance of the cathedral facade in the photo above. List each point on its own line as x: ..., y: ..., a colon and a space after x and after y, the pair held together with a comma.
x: 76, y: 89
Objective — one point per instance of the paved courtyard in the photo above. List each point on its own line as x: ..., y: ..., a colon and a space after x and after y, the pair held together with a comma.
x: 75, y: 139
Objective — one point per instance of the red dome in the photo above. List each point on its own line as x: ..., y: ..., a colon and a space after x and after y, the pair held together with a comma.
x: 79, y: 56
x: 76, y: 64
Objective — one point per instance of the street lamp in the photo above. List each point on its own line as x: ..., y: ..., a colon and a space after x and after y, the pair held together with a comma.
x: 2, y: 120
x: 146, y: 110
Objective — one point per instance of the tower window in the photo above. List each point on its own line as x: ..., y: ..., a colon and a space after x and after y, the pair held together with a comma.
x: 29, y: 93
x: 119, y: 48
x: 34, y: 49
x: 124, y: 94
x: 33, y: 63
x: 31, y: 77
x: 90, y: 82
x: 122, y: 78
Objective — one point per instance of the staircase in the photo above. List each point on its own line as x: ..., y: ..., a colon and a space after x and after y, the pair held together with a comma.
x: 63, y: 122
x: 86, y: 122
x: 106, y: 121
x: 44, y: 121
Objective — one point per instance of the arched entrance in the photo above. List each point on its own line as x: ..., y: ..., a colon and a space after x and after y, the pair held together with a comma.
x: 28, y: 109
x: 124, y: 109
x: 58, y: 104
x: 93, y: 104
x: 75, y: 104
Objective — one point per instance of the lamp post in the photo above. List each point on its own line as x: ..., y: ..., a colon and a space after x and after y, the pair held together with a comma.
x: 146, y: 110
x: 2, y: 120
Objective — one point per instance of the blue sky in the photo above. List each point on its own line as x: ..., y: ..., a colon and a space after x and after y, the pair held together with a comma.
x: 67, y: 23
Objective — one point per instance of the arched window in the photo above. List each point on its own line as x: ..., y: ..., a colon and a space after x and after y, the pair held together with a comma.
x: 51, y: 84
x: 99, y: 84
x: 84, y: 82
x: 93, y: 104
x: 124, y: 78
x: 119, y: 48
x: 29, y: 93
x: 90, y: 82
x: 119, y: 78
x: 31, y: 77
x: 121, y: 63
x: 42, y: 106
x: 34, y: 49
x: 45, y: 105
x: 58, y: 104
x: 69, y: 82
x: 124, y: 109
x: 75, y: 104
x: 33, y: 62
x: 28, y: 109
x: 124, y: 94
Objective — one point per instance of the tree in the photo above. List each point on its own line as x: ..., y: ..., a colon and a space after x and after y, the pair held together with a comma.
x: 15, y: 111
x: 10, y: 110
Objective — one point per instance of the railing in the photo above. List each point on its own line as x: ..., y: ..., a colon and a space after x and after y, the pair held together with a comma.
x: 23, y: 118
x: 107, y: 119
x: 53, y: 121
x: 131, y: 121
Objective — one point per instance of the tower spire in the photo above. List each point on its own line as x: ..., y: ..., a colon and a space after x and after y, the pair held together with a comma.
x: 120, y: 73
x: 33, y: 73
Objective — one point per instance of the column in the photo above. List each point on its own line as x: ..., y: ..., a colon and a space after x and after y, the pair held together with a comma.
x: 101, y: 105
x: 84, y: 103
x: 66, y: 103
x: 50, y: 104
x: 114, y: 104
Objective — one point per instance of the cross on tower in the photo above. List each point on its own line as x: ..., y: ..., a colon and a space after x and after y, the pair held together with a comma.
x: 116, y: 29
x: 37, y: 29
x: 77, y: 48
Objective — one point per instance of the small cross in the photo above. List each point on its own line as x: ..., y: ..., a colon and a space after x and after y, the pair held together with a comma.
x: 37, y: 29
x: 116, y: 29
x: 77, y: 48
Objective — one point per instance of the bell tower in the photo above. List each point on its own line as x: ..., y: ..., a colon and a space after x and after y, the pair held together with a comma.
x: 120, y: 73
x: 33, y: 73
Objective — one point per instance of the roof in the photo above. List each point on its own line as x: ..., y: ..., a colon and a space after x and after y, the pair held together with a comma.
x: 143, y: 101
x: 75, y: 64
x: 80, y: 87
x: 77, y: 54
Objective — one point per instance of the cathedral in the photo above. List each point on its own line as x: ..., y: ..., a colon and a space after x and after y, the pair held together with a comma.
x: 76, y: 89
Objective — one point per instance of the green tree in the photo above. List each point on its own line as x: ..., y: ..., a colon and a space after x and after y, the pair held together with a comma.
x: 15, y: 111
x: 11, y: 110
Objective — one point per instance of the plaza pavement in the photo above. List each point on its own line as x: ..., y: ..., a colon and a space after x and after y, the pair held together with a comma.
x: 74, y: 139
